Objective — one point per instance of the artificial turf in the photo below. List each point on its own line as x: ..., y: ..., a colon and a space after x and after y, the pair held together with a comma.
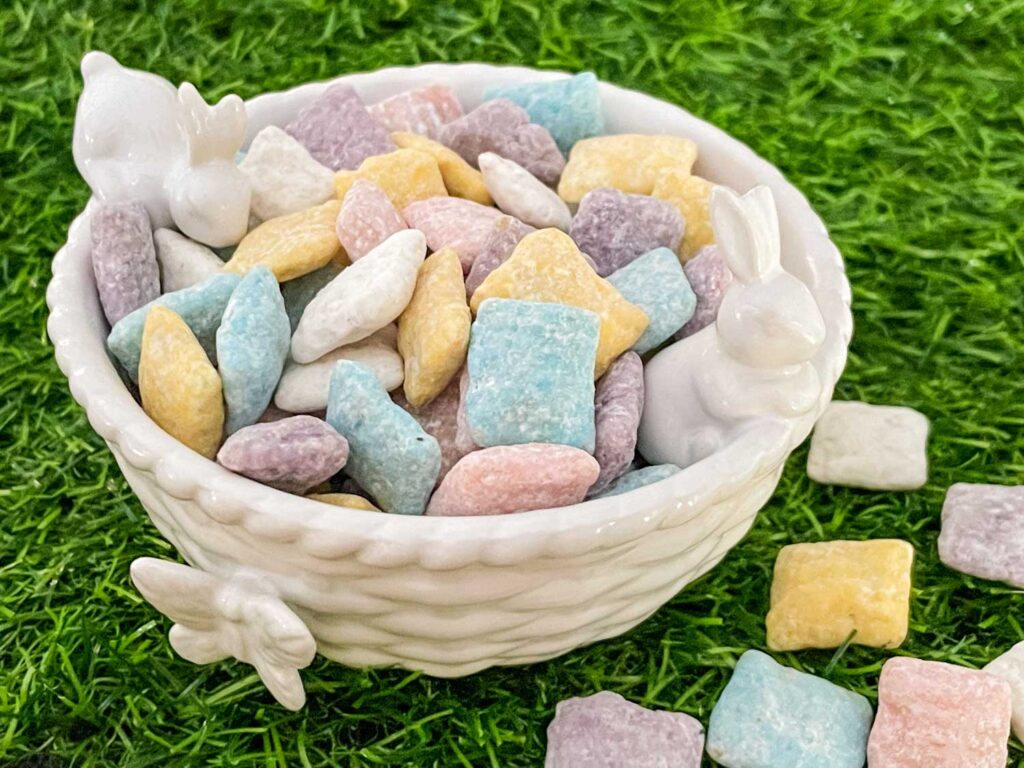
x: 903, y: 122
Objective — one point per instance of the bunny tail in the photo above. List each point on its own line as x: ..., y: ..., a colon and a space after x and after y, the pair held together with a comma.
x: 97, y: 61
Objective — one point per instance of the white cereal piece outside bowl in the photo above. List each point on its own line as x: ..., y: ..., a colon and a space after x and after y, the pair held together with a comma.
x: 446, y: 595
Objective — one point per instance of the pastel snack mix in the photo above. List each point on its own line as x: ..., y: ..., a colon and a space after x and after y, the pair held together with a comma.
x: 630, y: 162
x: 337, y: 130
x: 615, y: 228
x: 201, y: 307
x: 826, y: 593
x: 636, y: 478
x: 709, y: 278
x: 183, y: 262
x: 252, y: 344
x: 123, y: 259
x: 770, y: 716
x: 519, y: 193
x: 937, y: 715
x: 607, y: 731
x: 433, y: 330
x: 362, y: 299
x: 502, y: 239
x: 1010, y: 667
x: 691, y: 196
x: 422, y: 111
x: 982, y: 527
x: 531, y: 374
x: 657, y: 284
x: 546, y: 266
x: 504, y: 128
x: 299, y: 292
x: 283, y: 176
x: 179, y: 387
x: 514, y: 478
x: 618, y: 403
x: 405, y: 176
x: 389, y: 453
x: 451, y: 222
x: 292, y: 245
x: 440, y: 419
x: 367, y: 218
x: 460, y: 178
x: 347, y: 500
x: 880, y: 447
x: 293, y: 454
x: 569, y: 108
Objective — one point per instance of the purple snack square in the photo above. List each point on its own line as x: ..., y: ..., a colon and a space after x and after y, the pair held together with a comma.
x: 504, y: 128
x: 618, y: 404
x: 504, y: 236
x: 615, y: 227
x: 983, y: 531
x: 710, y: 278
x: 337, y: 130
x: 607, y: 731
x: 123, y: 259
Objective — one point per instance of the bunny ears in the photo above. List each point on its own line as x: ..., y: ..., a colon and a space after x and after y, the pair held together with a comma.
x: 212, y: 132
x: 747, y: 230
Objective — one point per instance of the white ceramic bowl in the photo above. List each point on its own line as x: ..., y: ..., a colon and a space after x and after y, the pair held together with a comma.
x: 448, y: 596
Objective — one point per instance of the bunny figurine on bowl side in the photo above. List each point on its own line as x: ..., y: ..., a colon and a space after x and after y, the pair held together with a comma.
x: 138, y: 139
x: 754, y: 363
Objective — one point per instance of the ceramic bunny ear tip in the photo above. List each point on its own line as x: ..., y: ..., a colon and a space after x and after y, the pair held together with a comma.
x: 97, y: 61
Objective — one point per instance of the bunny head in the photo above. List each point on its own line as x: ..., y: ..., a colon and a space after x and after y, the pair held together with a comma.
x: 210, y: 196
x: 768, y: 318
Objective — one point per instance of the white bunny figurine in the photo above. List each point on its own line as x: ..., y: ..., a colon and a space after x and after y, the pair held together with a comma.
x: 753, y: 363
x: 137, y: 138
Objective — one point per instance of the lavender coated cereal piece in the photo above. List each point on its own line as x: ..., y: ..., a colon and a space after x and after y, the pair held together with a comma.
x: 123, y: 258
x: 505, y: 234
x: 615, y: 227
x: 607, y: 731
x: 618, y: 403
x: 504, y: 128
x: 710, y: 278
x: 464, y: 442
x: 337, y: 130
x: 292, y: 454
x: 983, y: 531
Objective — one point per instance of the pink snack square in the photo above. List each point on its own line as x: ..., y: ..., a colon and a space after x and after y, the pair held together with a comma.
x: 424, y: 110
x: 937, y: 715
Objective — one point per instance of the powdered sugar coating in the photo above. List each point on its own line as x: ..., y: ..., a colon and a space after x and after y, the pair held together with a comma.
x: 123, y: 258
x: 183, y: 262
x: 452, y: 222
x: 514, y: 478
x: 292, y: 454
x: 283, y: 175
x: 983, y: 531
x: 503, y: 127
x: 710, y: 278
x: 504, y: 235
x: 422, y: 110
x: 618, y: 404
x: 439, y: 418
x: 367, y: 218
x: 337, y: 130
x: 615, y: 227
x: 519, y: 193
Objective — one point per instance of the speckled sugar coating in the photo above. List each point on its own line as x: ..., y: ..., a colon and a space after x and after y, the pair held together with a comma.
x: 460, y: 178
x: 367, y: 218
x: 337, y: 130
x: 709, y: 277
x: 770, y: 716
x: 514, y: 478
x: 607, y: 731
x: 440, y: 419
x: 502, y: 239
x: 983, y: 531
x: 293, y: 454
x: 656, y: 283
x: 390, y: 455
x: 183, y: 262
x: 299, y: 292
x: 252, y: 344
x: 1010, y: 667
x: 531, y: 374
x: 123, y: 259
x: 618, y: 403
x: 201, y: 307
x: 422, y: 110
x: 503, y: 127
x: 615, y: 227
x: 519, y: 193
x: 637, y: 478
x: 283, y: 176
x: 451, y: 222
x: 570, y: 108
x: 937, y: 715
x: 405, y: 176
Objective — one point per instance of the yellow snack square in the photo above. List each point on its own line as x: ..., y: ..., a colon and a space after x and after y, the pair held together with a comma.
x: 824, y: 592
x: 350, y: 500
x: 547, y: 266
x: 460, y: 178
x: 691, y: 195
x: 405, y: 176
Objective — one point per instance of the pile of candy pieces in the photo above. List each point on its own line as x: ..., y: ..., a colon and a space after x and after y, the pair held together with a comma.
x: 826, y: 595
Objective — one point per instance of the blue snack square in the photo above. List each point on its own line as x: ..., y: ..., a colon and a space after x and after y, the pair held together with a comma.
x: 389, y: 454
x: 770, y: 716
x: 569, y: 108
x: 655, y: 282
x: 252, y: 345
x: 531, y: 374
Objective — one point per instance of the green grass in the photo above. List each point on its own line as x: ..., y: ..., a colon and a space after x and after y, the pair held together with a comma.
x: 903, y: 121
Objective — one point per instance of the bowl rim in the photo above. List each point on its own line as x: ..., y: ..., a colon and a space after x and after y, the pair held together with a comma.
x: 233, y: 499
